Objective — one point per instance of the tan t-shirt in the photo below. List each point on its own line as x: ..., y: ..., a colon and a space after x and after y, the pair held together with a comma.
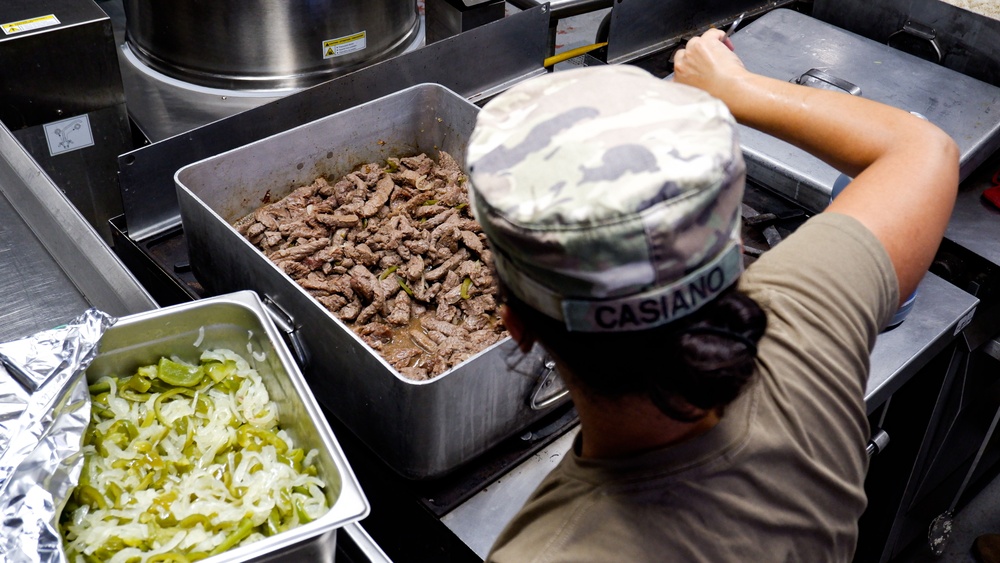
x: 780, y: 478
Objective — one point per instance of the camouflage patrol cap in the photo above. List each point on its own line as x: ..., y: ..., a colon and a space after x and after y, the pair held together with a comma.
x: 611, y: 198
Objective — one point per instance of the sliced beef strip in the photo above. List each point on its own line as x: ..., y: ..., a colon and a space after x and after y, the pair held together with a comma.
x: 363, y: 282
x: 415, y: 373
x: 423, y: 341
x: 337, y: 238
x: 301, y: 251
x: 446, y: 266
x: 400, y: 310
x: 382, y: 192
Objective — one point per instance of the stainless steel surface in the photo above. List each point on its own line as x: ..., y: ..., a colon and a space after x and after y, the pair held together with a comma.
x: 640, y: 28
x: 41, y: 79
x: 239, y: 323
x: 365, y: 544
x: 992, y: 349
x: 67, y: 106
x: 261, y: 44
x: 83, y: 259
x: 975, y: 223
x: 939, y: 313
x: 37, y: 295
x: 503, y: 53
x: 421, y: 429
x: 564, y: 8
x: 479, y: 520
x: 962, y: 106
x: 446, y: 18
x: 967, y: 41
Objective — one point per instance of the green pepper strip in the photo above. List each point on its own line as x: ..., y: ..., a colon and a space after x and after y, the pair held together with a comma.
x: 430, y: 202
x: 125, y: 425
x: 466, y: 283
x: 181, y: 375
x: 403, y: 285
x: 387, y: 272
x: 267, y: 436
x: 244, y: 529
x: 115, y: 494
x: 137, y: 383
x: 217, y: 371
x: 166, y: 395
x: 148, y: 419
x: 130, y: 395
x: 273, y: 523
x: 90, y: 495
x: 165, y: 557
x: 101, y: 411
x: 301, y: 512
x: 194, y: 520
x: 100, y: 386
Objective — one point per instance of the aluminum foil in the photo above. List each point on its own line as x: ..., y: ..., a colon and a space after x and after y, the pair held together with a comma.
x: 44, y: 411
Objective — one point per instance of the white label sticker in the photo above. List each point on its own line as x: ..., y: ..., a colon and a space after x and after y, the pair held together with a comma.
x: 28, y: 25
x: 345, y: 45
x: 69, y: 134
x: 964, y: 321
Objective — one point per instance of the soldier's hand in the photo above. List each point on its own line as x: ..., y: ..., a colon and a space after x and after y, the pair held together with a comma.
x: 708, y: 62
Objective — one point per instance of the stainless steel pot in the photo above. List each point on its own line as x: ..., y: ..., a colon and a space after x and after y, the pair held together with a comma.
x: 266, y: 44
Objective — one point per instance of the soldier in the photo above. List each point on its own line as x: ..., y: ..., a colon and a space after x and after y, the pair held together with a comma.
x: 722, y: 412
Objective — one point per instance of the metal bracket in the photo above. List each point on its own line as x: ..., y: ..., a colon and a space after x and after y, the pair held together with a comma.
x: 284, y: 322
x: 549, y: 390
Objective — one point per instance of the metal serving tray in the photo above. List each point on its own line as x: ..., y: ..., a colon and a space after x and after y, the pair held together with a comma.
x: 792, y: 46
x: 238, y: 321
x: 421, y: 429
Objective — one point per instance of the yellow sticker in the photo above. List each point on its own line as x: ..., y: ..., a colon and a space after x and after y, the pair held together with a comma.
x: 345, y: 45
x: 30, y: 24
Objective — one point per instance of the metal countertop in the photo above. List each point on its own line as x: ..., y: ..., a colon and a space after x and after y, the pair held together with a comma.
x: 53, y: 264
x: 975, y: 223
x: 37, y: 294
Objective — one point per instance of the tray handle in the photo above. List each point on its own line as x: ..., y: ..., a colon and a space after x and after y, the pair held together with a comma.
x: 820, y: 79
x: 918, y: 40
x: 549, y: 390
x: 284, y: 323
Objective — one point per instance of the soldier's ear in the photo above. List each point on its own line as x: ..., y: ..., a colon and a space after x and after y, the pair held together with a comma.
x: 520, y: 333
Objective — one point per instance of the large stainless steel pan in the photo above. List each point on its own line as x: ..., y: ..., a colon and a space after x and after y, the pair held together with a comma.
x: 421, y: 429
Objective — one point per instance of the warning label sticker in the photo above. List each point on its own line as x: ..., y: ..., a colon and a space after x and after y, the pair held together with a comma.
x: 69, y: 134
x: 28, y: 25
x: 344, y: 45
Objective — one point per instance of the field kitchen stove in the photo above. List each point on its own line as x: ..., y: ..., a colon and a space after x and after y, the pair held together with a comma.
x: 456, y: 516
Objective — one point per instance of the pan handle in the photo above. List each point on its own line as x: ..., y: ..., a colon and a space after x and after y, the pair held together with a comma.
x: 824, y: 80
x: 918, y: 40
x: 284, y: 322
x: 549, y: 390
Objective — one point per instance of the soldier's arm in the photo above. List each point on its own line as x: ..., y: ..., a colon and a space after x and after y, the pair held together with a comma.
x: 905, y: 169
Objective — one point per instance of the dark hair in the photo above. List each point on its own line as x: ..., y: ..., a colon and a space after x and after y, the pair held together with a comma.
x: 697, y: 363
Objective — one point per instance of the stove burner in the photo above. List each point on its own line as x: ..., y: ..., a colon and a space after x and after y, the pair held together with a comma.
x: 763, y: 230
